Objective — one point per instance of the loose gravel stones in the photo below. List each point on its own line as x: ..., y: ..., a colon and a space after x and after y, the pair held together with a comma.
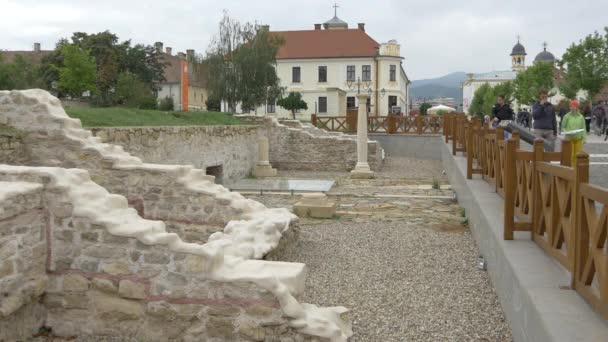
x: 400, y: 256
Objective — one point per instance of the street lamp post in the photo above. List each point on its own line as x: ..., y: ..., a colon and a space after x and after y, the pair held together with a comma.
x: 362, y: 169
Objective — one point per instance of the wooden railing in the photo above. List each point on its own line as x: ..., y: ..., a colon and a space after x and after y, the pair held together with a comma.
x: 590, y: 274
x: 544, y: 194
x: 391, y: 124
x: 331, y: 123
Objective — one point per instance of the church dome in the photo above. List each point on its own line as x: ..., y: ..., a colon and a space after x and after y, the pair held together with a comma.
x: 544, y: 56
x: 518, y: 49
x: 336, y: 22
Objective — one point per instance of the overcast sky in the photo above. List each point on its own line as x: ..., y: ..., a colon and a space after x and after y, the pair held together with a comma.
x: 436, y: 36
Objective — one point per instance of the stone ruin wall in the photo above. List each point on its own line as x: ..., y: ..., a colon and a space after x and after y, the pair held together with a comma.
x: 23, y: 280
x: 98, y: 282
x: 12, y: 149
x: 232, y: 147
x: 298, y: 146
x: 293, y: 146
x: 93, y: 240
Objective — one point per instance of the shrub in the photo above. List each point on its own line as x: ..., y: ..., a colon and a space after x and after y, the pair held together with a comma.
x: 213, y: 105
x: 166, y: 104
x: 148, y: 103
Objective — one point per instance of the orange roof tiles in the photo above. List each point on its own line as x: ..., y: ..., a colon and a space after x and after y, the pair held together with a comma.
x: 326, y: 44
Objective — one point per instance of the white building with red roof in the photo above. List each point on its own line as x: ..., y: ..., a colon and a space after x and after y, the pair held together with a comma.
x: 329, y: 64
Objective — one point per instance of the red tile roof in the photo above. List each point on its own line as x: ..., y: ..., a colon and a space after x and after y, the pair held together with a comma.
x: 35, y: 57
x: 172, y: 72
x: 326, y: 44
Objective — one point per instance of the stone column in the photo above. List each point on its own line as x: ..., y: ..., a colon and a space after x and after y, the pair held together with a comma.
x: 362, y: 169
x: 263, y: 153
x: 263, y: 167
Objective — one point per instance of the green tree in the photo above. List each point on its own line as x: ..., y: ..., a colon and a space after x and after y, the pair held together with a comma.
x: 132, y: 92
x: 293, y: 102
x: 144, y: 61
x: 20, y: 74
x: 477, y: 104
x: 5, y: 75
x: 530, y: 82
x: 103, y: 47
x: 240, y: 64
x: 424, y: 108
x: 78, y: 73
x: 586, y: 65
x: 50, y: 66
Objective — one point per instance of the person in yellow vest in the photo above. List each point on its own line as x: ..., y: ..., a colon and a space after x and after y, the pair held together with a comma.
x: 573, y: 127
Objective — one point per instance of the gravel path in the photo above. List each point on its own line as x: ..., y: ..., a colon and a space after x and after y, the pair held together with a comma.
x: 402, y: 281
x: 406, y: 267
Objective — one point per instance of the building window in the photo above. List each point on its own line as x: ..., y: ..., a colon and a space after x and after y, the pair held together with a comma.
x: 350, y: 73
x: 392, y: 101
x: 271, y: 107
x: 350, y: 102
x: 322, y: 104
x: 393, y: 75
x: 322, y: 74
x: 295, y: 75
x: 367, y: 73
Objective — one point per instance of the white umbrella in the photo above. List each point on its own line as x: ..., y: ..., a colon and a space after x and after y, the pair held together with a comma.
x: 436, y: 109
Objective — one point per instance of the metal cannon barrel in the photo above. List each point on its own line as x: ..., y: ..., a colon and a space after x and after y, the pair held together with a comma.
x: 526, y: 135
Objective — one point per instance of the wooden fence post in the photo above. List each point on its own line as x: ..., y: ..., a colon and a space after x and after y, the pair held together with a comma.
x: 500, y: 135
x: 392, y: 124
x: 539, y: 149
x: 469, y: 141
x: 580, y: 238
x: 454, y: 131
x: 446, y: 126
x: 566, y: 156
x: 313, y: 119
x: 419, y: 124
x: 515, y: 135
x: 510, y: 184
x: 351, y: 120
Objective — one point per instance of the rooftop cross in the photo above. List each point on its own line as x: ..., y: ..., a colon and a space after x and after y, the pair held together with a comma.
x: 545, y: 45
x: 335, y: 9
x: 518, y: 38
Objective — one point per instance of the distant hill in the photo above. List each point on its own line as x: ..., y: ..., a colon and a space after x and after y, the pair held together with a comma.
x: 444, y: 86
x: 454, y: 79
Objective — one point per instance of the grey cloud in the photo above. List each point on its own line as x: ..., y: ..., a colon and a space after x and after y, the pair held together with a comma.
x: 437, y: 36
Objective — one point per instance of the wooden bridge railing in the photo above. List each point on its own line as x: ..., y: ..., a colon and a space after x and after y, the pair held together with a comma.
x: 391, y: 124
x: 547, y: 196
x: 591, y: 274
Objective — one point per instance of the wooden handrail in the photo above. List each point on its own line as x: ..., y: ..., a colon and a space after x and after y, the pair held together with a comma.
x: 591, y: 270
x: 568, y: 217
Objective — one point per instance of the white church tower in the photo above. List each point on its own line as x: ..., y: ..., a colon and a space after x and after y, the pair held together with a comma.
x: 518, y: 57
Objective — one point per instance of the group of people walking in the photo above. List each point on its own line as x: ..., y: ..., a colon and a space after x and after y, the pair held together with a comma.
x: 573, y: 124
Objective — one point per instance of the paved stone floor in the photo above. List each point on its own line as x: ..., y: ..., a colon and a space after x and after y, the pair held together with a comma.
x: 400, y: 256
x: 599, y: 162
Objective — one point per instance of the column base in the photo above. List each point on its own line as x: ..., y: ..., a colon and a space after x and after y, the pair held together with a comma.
x: 315, y: 205
x: 362, y: 172
x: 262, y: 171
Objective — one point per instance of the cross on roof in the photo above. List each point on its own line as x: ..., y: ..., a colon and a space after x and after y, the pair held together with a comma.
x: 518, y: 38
x: 545, y: 45
x: 335, y: 6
